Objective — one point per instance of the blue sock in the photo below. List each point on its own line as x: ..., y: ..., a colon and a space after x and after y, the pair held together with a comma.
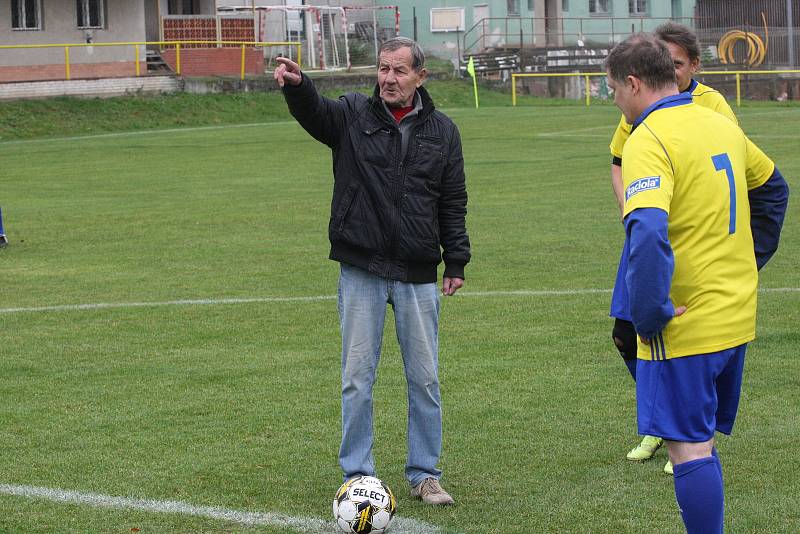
x: 631, y: 368
x: 700, y: 495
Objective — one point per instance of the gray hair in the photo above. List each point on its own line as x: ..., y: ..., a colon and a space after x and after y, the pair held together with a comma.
x: 644, y: 56
x: 396, y: 43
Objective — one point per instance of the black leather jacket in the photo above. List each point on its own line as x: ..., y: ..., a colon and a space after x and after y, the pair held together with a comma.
x: 389, y: 216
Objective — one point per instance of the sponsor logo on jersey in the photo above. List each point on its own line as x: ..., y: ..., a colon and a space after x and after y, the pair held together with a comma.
x: 643, y: 184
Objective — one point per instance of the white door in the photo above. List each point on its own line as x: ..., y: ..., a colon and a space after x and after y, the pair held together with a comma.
x: 480, y: 11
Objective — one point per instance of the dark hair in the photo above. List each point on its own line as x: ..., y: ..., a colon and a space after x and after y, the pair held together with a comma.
x: 396, y: 43
x: 643, y: 56
x: 680, y: 35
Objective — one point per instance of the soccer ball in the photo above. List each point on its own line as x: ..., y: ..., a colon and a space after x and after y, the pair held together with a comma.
x: 364, y: 505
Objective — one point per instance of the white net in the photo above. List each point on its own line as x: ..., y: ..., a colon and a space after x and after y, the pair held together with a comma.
x: 329, y: 38
x: 368, y: 27
x: 332, y: 37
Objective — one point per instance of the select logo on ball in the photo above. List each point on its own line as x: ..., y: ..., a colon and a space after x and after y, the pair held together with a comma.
x: 364, y: 505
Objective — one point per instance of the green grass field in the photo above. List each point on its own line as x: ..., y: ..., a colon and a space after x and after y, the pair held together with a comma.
x: 170, y: 393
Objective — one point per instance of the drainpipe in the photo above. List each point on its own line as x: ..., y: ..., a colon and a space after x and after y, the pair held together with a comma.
x: 790, y: 27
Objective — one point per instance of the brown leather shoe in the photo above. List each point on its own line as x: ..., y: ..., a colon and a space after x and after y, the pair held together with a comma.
x: 431, y: 492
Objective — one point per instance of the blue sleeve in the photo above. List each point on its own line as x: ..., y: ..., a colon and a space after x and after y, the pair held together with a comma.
x: 767, y: 210
x: 650, y: 267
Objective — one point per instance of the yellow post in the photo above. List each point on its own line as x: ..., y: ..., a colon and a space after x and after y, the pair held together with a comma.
x: 138, y: 69
x: 513, y: 89
x: 242, y: 61
x: 66, y: 61
x: 298, y: 54
x: 178, y: 59
x: 588, y: 90
x: 738, y: 90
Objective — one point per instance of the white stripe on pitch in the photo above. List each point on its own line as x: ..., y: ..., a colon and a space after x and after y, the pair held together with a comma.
x: 318, y: 298
x: 532, y: 292
x: 569, y: 133
x: 198, y: 302
x: 400, y: 525
x: 565, y: 133
x: 259, y: 300
x: 146, y: 132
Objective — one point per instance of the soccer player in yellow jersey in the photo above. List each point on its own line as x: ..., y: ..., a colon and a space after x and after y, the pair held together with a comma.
x: 701, y: 219
x: 685, y: 51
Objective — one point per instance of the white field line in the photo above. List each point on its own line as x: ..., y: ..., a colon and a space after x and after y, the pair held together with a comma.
x: 316, y: 298
x: 781, y: 111
x: 582, y: 132
x: 400, y: 525
x: 564, y: 133
x: 146, y: 132
x: 195, y: 302
x: 579, y: 132
x: 770, y: 136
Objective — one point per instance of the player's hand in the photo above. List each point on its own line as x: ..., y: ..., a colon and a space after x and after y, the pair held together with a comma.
x: 451, y: 285
x: 680, y: 310
x: 287, y: 72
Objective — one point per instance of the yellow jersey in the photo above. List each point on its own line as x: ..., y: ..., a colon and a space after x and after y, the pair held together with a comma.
x: 700, y: 176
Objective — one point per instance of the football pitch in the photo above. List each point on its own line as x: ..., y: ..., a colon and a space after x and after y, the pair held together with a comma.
x: 170, y: 357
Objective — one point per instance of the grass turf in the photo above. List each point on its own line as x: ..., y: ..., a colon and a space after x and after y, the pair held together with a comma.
x: 237, y: 405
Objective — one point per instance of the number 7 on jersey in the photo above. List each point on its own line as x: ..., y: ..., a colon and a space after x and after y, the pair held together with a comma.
x: 723, y: 163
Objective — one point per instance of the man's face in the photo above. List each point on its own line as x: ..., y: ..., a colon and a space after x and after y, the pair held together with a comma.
x: 397, y: 80
x: 625, y: 96
x: 684, y: 67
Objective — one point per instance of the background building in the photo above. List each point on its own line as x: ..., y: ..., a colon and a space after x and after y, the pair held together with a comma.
x: 513, y: 34
x: 40, y: 22
x: 450, y: 29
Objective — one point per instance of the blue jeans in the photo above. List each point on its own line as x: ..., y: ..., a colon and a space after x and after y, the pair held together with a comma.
x: 362, y: 311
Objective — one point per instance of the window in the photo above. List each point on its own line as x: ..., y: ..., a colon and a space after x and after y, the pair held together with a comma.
x: 447, y: 19
x: 185, y: 7
x: 637, y: 7
x: 513, y: 7
x: 91, y: 14
x: 26, y: 15
x: 600, y: 7
x: 531, y: 5
x: 564, y: 5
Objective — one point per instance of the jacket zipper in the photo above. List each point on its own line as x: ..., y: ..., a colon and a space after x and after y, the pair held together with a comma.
x: 397, y: 199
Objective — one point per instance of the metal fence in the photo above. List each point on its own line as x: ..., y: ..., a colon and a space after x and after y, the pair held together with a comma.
x: 526, y: 32
x: 756, y: 84
x: 753, y: 34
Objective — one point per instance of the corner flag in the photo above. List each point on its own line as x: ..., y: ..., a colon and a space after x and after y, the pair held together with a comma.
x: 471, y: 71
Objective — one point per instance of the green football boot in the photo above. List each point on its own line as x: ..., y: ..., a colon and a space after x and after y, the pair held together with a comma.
x: 668, y: 468
x: 646, y: 449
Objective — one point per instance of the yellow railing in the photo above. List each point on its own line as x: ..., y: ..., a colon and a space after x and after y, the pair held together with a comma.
x: 737, y: 73
x: 586, y: 75
x: 176, y: 44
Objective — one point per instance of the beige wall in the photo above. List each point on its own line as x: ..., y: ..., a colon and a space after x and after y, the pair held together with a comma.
x: 124, y: 21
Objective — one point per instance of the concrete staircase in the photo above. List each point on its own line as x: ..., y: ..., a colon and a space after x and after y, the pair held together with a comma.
x: 156, y: 64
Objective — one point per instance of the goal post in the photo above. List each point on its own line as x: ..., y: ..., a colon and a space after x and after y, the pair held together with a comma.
x: 369, y: 26
x: 334, y: 37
